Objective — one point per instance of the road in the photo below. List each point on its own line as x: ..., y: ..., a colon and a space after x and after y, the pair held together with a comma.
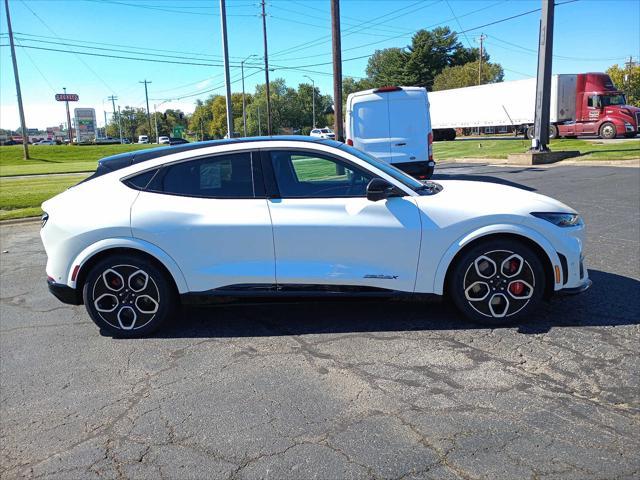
x: 337, y: 390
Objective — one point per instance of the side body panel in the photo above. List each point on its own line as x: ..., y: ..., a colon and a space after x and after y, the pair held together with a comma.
x: 347, y: 241
x: 216, y: 242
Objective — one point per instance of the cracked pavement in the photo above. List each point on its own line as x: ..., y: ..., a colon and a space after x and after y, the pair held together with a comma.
x: 337, y: 389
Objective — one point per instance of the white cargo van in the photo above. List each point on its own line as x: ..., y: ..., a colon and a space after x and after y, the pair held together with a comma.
x: 392, y: 124
x: 143, y: 139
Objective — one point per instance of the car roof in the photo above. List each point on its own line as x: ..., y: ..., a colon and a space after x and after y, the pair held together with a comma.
x: 122, y: 160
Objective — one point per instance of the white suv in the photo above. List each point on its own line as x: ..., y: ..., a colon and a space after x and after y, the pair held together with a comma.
x: 323, y: 133
x: 287, y: 217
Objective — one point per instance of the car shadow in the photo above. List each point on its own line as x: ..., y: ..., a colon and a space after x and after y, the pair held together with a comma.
x: 612, y: 301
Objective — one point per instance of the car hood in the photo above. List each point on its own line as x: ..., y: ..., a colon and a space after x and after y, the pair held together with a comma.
x: 462, y: 199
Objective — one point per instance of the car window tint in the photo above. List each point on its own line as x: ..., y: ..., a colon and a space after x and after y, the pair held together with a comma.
x: 140, y: 182
x: 302, y: 175
x: 222, y: 176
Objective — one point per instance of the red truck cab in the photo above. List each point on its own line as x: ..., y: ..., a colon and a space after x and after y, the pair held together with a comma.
x: 601, y: 110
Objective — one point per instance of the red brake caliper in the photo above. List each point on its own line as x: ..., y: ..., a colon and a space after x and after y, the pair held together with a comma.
x: 516, y: 288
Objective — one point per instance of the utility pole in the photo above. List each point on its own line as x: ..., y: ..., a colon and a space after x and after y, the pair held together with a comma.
x: 337, y: 69
x: 23, y: 123
x: 146, y: 94
x: 119, y: 123
x: 69, y: 131
x: 543, y: 83
x: 225, y: 53
x: 482, y: 38
x: 266, y: 68
x: 244, y: 104
x: 155, y: 120
x: 313, y: 96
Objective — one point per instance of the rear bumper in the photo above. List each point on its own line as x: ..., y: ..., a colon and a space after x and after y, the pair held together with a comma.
x: 575, y: 290
x: 64, y: 293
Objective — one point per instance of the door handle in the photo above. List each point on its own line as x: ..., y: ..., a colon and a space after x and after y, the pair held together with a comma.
x: 401, y: 144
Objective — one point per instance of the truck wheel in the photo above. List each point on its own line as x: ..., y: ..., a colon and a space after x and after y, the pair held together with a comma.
x: 553, y: 131
x: 608, y: 131
x: 451, y: 135
x: 529, y: 132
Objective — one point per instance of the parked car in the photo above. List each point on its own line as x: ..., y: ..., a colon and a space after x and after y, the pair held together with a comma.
x: 46, y: 142
x: 177, y: 141
x: 143, y: 139
x: 162, y: 140
x: 286, y: 217
x: 323, y: 133
x: 392, y: 124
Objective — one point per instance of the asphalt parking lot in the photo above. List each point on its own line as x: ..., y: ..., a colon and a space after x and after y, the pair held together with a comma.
x: 337, y: 390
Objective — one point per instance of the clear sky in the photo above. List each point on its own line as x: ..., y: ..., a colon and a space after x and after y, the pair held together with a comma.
x: 590, y: 35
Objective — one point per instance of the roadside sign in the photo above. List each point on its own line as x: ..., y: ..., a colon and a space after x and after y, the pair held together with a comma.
x: 178, y: 130
x: 85, y: 124
x: 67, y: 97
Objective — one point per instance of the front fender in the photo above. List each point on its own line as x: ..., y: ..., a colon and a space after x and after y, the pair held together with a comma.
x: 522, y: 230
x: 134, y: 244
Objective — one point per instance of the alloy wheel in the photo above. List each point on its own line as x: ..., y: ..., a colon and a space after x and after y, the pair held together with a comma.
x: 126, y: 297
x: 499, y: 283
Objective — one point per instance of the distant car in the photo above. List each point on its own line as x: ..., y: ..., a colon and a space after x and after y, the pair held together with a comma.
x: 177, y: 141
x: 9, y: 141
x: 164, y: 140
x: 46, y: 142
x: 143, y: 139
x: 323, y: 133
x: 126, y: 141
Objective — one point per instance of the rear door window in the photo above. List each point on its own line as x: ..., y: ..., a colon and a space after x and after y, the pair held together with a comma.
x: 220, y: 176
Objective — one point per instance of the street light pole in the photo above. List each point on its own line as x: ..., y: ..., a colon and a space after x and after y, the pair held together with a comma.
x: 155, y: 120
x: 244, y: 104
x: 313, y: 96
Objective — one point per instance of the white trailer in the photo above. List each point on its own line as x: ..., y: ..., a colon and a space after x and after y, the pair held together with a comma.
x: 504, y: 104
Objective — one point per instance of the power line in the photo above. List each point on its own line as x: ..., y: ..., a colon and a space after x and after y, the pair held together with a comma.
x: 162, y: 9
x: 56, y: 35
x: 458, y: 22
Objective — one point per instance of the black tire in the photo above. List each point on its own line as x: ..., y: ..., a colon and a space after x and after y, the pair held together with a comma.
x: 503, y: 299
x: 529, y: 132
x: 118, y: 308
x: 608, y: 131
x: 553, y: 131
x: 630, y: 135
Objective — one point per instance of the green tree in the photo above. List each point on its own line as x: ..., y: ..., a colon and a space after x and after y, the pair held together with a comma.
x: 431, y: 52
x: 628, y: 80
x: 467, y: 75
x: 388, y: 67
x: 133, y: 121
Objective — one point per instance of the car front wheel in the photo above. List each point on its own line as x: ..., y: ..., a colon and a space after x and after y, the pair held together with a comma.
x: 128, y: 296
x: 497, y: 282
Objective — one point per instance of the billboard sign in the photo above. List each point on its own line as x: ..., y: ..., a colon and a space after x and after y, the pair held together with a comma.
x: 67, y: 97
x: 85, y: 124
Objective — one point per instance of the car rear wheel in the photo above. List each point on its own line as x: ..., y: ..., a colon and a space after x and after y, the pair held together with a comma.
x: 497, y: 282
x: 128, y: 296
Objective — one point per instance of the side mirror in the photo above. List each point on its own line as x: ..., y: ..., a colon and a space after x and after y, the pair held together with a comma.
x: 379, y: 189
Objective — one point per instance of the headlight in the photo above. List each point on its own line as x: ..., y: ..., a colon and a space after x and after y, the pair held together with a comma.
x: 560, y: 219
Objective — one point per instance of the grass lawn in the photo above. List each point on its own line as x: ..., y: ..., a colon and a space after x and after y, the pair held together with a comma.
x: 590, y: 150
x: 57, y: 158
x: 21, y: 197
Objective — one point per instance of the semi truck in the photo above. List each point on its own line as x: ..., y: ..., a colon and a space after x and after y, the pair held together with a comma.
x: 581, y: 104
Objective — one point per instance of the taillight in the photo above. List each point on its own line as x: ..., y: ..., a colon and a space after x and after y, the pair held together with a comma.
x: 430, y: 137
x: 349, y: 142
x: 387, y: 89
x: 430, y: 143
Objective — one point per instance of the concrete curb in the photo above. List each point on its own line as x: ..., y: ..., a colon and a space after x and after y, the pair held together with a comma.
x: 19, y: 221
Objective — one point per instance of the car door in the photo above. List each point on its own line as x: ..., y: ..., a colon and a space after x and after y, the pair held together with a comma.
x: 408, y: 126
x: 210, y: 215
x: 328, y: 234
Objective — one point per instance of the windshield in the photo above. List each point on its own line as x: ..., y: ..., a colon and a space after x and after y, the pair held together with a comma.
x: 618, y: 99
x: 390, y: 170
x: 326, y: 130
